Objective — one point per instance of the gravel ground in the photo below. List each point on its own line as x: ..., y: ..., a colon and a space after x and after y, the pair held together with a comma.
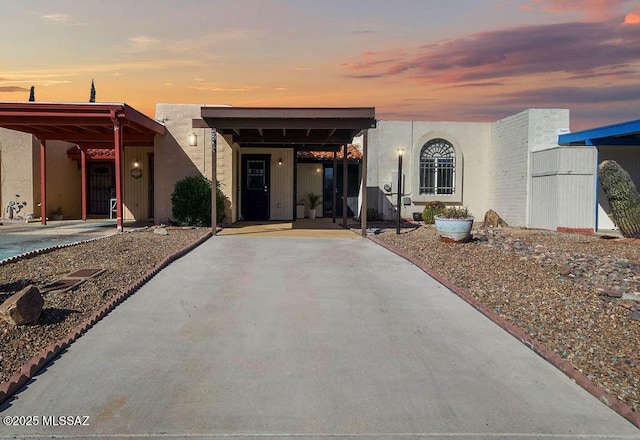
x: 126, y: 258
x: 562, y: 289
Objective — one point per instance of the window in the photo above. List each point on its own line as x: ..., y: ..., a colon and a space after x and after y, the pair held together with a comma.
x: 437, y: 168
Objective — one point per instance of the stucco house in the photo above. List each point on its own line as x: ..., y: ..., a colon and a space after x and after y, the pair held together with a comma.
x: 524, y: 166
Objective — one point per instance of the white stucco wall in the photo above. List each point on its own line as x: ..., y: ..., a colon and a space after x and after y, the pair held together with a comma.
x: 471, y: 142
x: 513, y: 140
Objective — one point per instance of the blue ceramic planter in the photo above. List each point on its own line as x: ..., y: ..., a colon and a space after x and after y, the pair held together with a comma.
x: 456, y: 230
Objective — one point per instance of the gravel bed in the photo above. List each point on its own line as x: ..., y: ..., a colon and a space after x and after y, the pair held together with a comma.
x: 577, y: 294
x: 126, y: 258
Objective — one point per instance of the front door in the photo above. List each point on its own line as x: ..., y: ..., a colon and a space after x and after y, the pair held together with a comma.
x: 255, y: 186
x: 101, y: 187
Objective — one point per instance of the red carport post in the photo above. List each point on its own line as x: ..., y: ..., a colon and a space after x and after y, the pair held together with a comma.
x: 117, y: 143
x: 83, y: 191
x: 43, y: 183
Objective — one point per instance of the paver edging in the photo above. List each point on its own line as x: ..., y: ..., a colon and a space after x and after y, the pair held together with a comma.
x: 536, y: 346
x: 47, y: 354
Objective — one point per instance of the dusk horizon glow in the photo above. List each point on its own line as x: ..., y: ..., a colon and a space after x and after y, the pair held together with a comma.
x: 474, y: 61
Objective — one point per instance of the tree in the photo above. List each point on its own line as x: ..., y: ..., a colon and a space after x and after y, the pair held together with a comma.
x: 32, y: 94
x: 92, y: 97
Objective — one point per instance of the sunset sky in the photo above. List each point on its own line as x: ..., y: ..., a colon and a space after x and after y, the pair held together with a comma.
x: 441, y: 60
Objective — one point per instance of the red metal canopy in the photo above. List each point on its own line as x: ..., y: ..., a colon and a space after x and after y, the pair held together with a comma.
x: 88, y: 125
x: 84, y: 124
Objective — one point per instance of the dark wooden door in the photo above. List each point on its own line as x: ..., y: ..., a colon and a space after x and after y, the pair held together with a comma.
x: 256, y: 186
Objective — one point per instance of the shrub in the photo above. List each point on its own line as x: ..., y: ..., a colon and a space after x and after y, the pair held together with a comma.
x: 455, y: 212
x: 431, y: 210
x: 191, y: 201
x: 623, y: 197
x: 373, y: 215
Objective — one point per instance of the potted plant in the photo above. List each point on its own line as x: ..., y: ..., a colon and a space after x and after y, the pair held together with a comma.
x: 454, y: 225
x: 58, y: 213
x: 432, y: 209
x: 314, y: 201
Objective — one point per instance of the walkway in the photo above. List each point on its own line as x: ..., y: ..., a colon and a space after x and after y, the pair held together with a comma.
x: 18, y: 237
x: 318, y: 227
x: 257, y: 337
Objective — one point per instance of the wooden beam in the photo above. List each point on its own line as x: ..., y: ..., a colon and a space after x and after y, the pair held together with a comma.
x: 345, y: 172
x: 334, y: 204
x: 117, y: 141
x: 363, y: 184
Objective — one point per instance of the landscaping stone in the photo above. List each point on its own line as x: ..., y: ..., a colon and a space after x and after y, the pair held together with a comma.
x: 160, y: 231
x: 23, y: 307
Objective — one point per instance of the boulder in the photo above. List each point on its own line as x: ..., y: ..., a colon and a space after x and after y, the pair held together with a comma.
x: 493, y: 220
x: 160, y: 231
x: 23, y: 307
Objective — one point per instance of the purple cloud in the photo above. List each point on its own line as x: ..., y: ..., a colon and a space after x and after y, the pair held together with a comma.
x: 563, y: 96
x: 568, y: 47
x: 11, y: 89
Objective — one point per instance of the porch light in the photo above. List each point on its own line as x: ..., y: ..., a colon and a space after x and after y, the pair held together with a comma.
x: 318, y: 169
x: 193, y: 139
x: 136, y: 164
x: 280, y: 162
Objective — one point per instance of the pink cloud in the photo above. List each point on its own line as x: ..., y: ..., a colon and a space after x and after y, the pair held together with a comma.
x: 592, y: 9
x: 521, y: 51
x: 633, y: 17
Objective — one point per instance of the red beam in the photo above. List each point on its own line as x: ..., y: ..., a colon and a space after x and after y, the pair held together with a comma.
x: 83, y: 165
x: 43, y: 184
x: 117, y: 139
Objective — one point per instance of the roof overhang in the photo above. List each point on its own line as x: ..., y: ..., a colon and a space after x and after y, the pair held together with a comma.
x: 302, y: 128
x: 84, y: 124
x: 623, y: 134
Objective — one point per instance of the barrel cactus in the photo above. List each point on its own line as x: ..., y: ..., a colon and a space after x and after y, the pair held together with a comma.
x: 623, y: 197
x: 431, y: 210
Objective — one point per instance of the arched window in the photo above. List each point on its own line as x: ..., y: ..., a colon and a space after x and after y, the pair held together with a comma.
x: 437, y: 168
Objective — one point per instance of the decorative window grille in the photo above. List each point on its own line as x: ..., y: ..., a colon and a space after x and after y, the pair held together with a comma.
x: 437, y: 168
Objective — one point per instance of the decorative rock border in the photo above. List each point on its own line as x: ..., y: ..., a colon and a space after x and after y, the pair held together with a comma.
x: 35, y: 364
x: 536, y: 346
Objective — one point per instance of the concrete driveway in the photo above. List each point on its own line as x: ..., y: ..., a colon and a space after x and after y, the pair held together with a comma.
x: 19, y: 238
x: 304, y: 338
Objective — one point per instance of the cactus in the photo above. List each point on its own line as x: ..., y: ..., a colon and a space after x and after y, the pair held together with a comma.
x: 431, y: 210
x: 623, y: 197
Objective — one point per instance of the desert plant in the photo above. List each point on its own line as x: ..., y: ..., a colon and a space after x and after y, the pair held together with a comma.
x: 373, y: 215
x: 314, y: 200
x: 431, y: 210
x: 455, y: 212
x: 191, y: 201
x: 623, y: 197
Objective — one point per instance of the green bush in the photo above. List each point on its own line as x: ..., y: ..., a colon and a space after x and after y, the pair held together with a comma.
x: 373, y: 215
x: 623, y: 197
x: 431, y: 210
x: 191, y: 201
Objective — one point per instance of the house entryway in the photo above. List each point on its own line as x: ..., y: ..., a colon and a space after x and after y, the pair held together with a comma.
x: 318, y: 227
x: 256, y: 186
x: 100, y: 187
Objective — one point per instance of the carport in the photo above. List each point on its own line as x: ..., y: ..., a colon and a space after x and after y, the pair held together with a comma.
x: 109, y: 126
x: 300, y: 129
x: 617, y: 142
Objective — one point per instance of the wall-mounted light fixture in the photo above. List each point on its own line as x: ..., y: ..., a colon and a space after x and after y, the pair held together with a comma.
x: 136, y: 171
x: 193, y: 139
x: 318, y: 169
x: 280, y: 162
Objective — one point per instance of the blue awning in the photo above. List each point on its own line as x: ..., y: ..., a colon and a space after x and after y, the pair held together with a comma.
x: 625, y: 133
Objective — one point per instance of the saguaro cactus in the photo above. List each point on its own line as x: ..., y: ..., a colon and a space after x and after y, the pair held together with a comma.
x: 623, y: 197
